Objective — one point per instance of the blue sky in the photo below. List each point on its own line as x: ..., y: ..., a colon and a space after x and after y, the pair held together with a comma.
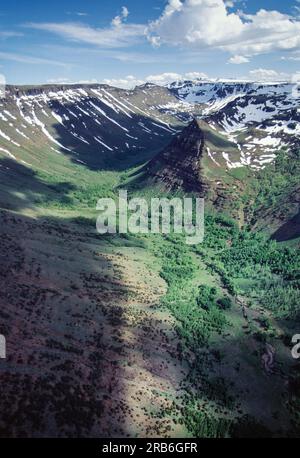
x: 128, y: 42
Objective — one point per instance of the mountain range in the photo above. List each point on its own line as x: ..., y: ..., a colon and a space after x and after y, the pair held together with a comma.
x: 245, y: 124
x: 253, y: 120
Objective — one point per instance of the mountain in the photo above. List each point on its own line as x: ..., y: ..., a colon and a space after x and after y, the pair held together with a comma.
x: 260, y: 118
x: 178, y: 166
x: 97, y: 124
x: 245, y: 133
x: 187, y: 164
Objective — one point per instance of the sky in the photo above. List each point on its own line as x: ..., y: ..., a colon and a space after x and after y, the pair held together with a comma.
x: 129, y: 42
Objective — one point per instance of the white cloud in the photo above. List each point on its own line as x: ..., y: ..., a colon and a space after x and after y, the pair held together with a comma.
x: 296, y: 77
x: 90, y: 81
x: 207, y: 23
x: 125, y: 12
x: 195, y: 75
x: 63, y: 80
x: 128, y: 82
x: 293, y: 56
x: 118, y: 35
x: 30, y: 60
x: 77, y: 13
x: 195, y: 25
x: 238, y: 60
x: 263, y: 74
x: 163, y: 78
x: 160, y: 79
x: 195, y: 22
x: 114, y: 37
x: 59, y: 81
x: 231, y: 3
x: 117, y: 21
x: 9, y: 34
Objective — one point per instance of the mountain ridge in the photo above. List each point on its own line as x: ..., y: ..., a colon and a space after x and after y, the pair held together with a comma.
x: 100, y: 127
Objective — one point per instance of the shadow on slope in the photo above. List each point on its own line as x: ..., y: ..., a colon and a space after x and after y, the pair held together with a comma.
x: 78, y: 326
x: 20, y: 187
x: 126, y: 146
x: 288, y: 231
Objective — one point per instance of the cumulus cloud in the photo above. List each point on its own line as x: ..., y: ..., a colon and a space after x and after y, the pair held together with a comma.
x: 238, y: 60
x: 195, y: 26
x: 207, y: 23
x: 117, y: 21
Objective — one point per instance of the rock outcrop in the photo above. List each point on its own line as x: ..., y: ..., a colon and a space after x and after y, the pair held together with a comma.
x: 179, y: 164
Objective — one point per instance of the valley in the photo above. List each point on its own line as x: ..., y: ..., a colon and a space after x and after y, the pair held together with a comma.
x: 142, y: 335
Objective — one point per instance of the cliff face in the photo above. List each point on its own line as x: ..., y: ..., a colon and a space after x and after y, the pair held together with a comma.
x: 179, y: 164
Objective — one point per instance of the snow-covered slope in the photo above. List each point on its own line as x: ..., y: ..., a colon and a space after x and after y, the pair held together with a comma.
x: 209, y: 92
x: 96, y: 123
x: 259, y: 118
